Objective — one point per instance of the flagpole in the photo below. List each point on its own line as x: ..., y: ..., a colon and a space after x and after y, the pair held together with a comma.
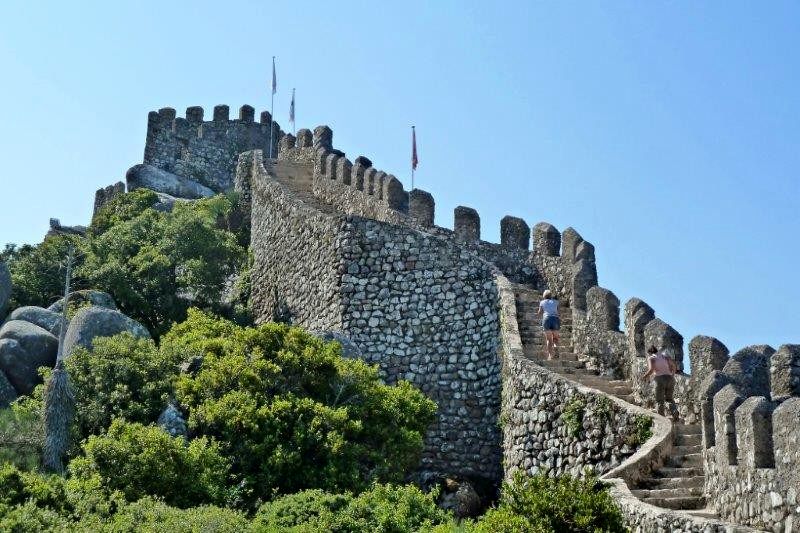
x: 414, y: 154
x: 272, y: 107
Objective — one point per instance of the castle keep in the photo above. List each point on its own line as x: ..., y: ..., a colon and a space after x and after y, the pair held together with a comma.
x: 341, y: 246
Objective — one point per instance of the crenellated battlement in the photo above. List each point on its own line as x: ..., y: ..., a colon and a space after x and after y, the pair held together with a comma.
x: 206, y: 150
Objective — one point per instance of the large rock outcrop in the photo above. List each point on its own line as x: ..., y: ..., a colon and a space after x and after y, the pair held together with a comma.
x: 149, y: 177
x: 21, y: 366
x: 7, y: 391
x: 44, y: 318
x: 84, y: 298
x: 92, y: 322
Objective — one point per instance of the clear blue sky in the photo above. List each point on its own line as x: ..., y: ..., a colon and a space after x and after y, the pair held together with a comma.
x: 666, y: 133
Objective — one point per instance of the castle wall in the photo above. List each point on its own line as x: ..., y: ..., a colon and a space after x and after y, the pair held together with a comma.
x: 426, y: 311
x: 536, y: 437
x: 296, y: 253
x: 751, y: 456
x: 206, y: 151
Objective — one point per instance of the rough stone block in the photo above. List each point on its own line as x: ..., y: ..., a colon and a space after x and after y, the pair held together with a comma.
x: 749, y: 369
x: 466, y: 224
x: 664, y: 337
x: 194, y: 114
x: 394, y: 194
x: 515, y: 233
x: 265, y: 118
x: 602, y: 309
x: 221, y: 113
x: 784, y: 372
x: 725, y: 403
x: 712, y: 384
x: 785, y: 436
x: 706, y: 354
x: 363, y: 161
x: 344, y: 170
x: 584, y: 277
x: 369, y: 180
x: 323, y: 138
x: 167, y: 114
x: 304, y: 139
x: 754, y: 433
x: 547, y: 239
x: 585, y: 251
x: 637, y: 315
x: 331, y: 160
x: 357, y: 177
x: 569, y: 242
x: 247, y: 114
x: 421, y: 207
x: 379, y: 179
x: 287, y: 143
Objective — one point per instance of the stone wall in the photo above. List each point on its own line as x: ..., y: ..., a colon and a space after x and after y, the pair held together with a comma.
x: 751, y: 455
x: 206, y: 151
x: 420, y: 307
x: 425, y: 311
x: 297, y: 253
x: 537, y: 404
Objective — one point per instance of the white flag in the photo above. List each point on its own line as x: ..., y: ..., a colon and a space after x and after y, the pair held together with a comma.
x: 274, y: 79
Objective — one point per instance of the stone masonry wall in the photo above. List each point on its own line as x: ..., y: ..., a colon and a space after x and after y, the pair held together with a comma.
x: 426, y: 311
x: 751, y: 455
x: 206, y: 151
x: 296, y: 253
x: 536, y: 405
x: 421, y: 308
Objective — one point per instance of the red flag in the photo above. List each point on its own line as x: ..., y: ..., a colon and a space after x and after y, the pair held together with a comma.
x: 414, y: 158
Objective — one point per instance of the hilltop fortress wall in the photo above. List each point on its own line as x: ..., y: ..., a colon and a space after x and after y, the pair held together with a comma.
x: 340, y: 245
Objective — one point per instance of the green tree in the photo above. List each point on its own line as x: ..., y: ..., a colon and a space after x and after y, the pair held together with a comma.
x: 37, y: 272
x: 292, y: 413
x: 157, y: 264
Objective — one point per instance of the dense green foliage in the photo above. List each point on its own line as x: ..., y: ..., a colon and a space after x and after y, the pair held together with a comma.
x: 157, y: 264
x: 292, y: 413
x: 142, y: 460
x: 37, y: 272
x: 385, y: 508
x: 121, y: 377
x: 21, y: 434
x: 542, y: 505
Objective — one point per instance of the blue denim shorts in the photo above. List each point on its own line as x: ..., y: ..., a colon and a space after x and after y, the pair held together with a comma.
x: 551, y: 323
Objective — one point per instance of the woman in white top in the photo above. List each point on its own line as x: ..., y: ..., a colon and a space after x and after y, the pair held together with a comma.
x: 548, y: 309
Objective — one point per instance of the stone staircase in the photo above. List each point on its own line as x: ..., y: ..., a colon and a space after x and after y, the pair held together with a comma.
x: 678, y: 484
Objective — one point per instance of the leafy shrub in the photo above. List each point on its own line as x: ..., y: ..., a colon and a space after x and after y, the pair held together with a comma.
x: 121, y: 377
x: 122, y: 208
x: 385, y: 508
x: 291, y: 412
x: 37, y: 272
x: 150, y: 515
x: 572, y: 415
x: 643, y: 430
x: 542, y: 504
x: 142, y: 460
x: 21, y: 434
x: 156, y: 264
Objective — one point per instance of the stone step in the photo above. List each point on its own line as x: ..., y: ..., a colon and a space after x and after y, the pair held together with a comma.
x: 688, y: 502
x: 684, y: 449
x: 686, y: 429
x: 688, y: 440
x: 692, y: 459
x: 681, y: 492
x: 678, y: 471
x: 673, y: 482
x: 706, y: 512
x: 559, y: 363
